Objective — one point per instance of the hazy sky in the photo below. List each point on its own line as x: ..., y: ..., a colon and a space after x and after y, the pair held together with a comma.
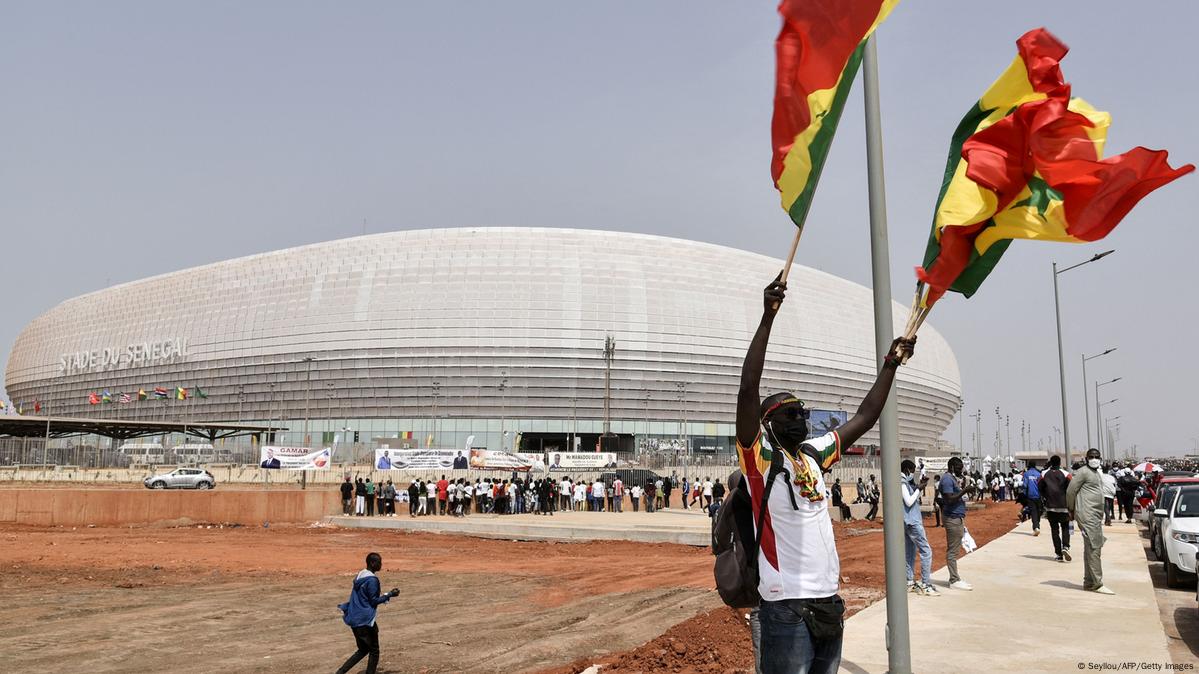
x: 144, y: 137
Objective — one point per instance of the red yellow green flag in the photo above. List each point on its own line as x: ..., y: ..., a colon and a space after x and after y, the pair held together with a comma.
x: 818, y: 51
x: 1027, y: 163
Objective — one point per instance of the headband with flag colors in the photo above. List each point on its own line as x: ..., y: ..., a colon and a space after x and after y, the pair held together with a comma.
x: 818, y: 50
x: 1026, y: 162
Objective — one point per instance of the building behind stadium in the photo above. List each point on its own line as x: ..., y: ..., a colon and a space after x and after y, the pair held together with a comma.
x: 483, y: 337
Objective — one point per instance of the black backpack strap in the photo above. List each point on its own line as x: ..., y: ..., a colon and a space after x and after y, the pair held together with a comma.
x: 776, y: 467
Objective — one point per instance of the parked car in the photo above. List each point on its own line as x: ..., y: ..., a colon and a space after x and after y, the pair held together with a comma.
x: 1167, y: 489
x: 181, y: 478
x: 1180, y: 534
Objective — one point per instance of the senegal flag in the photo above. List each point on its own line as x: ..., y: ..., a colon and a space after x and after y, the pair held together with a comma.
x: 818, y: 52
x: 180, y: 393
x: 141, y: 394
x: 1026, y: 162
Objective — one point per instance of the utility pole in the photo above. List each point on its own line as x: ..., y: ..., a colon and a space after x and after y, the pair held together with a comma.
x: 609, y: 355
x: 307, y: 398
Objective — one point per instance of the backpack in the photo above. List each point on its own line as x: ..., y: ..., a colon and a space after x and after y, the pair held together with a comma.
x: 1128, y: 482
x: 734, y: 542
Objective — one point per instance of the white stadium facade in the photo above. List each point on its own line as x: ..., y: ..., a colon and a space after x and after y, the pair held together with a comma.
x: 443, y: 336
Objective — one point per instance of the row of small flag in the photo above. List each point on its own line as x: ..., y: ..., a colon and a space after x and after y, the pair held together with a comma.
x: 159, y: 393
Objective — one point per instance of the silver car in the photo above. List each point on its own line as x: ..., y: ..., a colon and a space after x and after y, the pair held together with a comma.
x: 181, y: 478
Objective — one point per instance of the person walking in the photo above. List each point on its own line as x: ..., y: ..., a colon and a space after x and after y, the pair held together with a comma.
x: 872, y: 497
x: 347, y: 497
x: 717, y: 497
x: 1032, y: 495
x: 686, y: 492
x: 953, y: 493
x: 915, y: 539
x: 1052, y: 486
x: 1109, y: 494
x: 1127, y: 485
x: 799, y: 572
x: 359, y: 614
x: 1084, y: 499
x: 707, y: 492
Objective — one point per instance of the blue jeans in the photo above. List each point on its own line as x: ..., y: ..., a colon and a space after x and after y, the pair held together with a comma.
x: 915, y: 540
x: 788, y: 648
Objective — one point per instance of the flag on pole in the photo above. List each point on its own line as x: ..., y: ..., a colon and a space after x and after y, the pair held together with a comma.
x: 93, y: 399
x: 125, y: 399
x: 37, y: 406
x: 200, y: 393
x: 818, y: 52
x: 1026, y: 162
x: 106, y: 397
x: 3, y: 405
x: 406, y: 435
x: 160, y: 393
x: 141, y: 394
x: 180, y: 393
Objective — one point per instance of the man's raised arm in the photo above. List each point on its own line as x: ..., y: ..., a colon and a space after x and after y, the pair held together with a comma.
x: 749, y: 401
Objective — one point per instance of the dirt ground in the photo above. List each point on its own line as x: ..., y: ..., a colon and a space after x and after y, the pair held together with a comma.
x: 264, y: 599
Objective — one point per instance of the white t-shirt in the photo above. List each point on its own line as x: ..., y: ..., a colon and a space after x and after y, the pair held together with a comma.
x: 635, y: 491
x: 564, y: 488
x: 580, y: 492
x: 707, y: 487
x: 798, y: 558
x: 597, y: 489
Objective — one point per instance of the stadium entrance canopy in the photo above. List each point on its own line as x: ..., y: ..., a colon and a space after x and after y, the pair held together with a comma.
x: 61, y: 427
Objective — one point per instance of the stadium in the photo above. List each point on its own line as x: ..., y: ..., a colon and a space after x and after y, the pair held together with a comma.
x: 488, y: 337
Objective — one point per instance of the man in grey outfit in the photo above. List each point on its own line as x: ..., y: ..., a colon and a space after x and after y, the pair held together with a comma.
x: 1084, y: 498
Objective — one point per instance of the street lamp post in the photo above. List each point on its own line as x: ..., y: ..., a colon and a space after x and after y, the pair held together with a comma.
x: 1098, y: 407
x: 1099, y: 440
x: 307, y: 399
x: 1061, y: 358
x: 503, y: 409
x: 1086, y: 406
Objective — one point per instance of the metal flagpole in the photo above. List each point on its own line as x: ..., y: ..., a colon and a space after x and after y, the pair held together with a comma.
x: 899, y: 649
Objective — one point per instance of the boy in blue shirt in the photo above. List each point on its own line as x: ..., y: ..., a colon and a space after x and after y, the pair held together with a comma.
x: 359, y: 614
x: 1032, y: 493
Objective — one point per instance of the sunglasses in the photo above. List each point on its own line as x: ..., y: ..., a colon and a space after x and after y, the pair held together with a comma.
x: 792, y: 413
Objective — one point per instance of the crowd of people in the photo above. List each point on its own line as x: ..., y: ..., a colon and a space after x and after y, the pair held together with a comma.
x: 526, y: 495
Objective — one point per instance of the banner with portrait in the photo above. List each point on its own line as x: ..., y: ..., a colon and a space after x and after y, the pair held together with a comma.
x: 574, y: 460
x: 421, y: 459
x: 490, y: 459
x: 294, y: 458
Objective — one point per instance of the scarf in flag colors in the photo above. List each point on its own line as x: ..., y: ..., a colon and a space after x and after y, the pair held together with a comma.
x: 818, y: 52
x: 1026, y: 162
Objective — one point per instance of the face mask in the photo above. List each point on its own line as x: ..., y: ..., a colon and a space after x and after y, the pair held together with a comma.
x: 1093, y: 463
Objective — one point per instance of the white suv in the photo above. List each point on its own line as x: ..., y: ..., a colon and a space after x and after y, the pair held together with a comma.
x: 1180, y: 534
x: 182, y: 478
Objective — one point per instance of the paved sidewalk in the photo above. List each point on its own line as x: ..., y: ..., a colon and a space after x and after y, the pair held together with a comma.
x: 1027, y: 613
x: 688, y: 527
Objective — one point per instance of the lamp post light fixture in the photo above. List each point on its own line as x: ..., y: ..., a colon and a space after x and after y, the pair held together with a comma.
x: 1061, y: 359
